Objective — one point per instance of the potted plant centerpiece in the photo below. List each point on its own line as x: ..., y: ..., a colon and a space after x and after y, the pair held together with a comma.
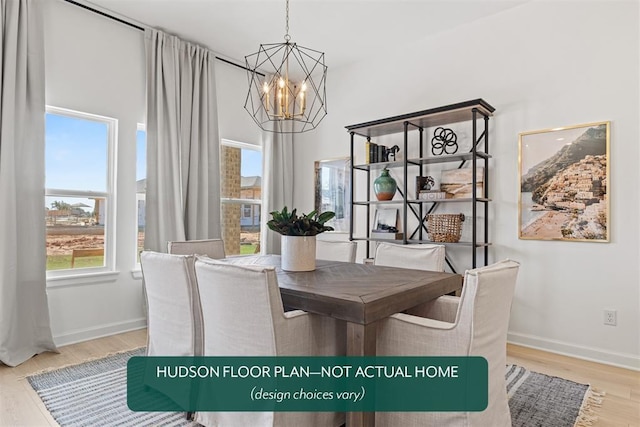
x: 299, y: 236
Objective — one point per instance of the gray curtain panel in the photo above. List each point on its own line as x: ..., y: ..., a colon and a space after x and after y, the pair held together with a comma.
x: 24, y: 312
x: 183, y: 161
x: 277, y: 188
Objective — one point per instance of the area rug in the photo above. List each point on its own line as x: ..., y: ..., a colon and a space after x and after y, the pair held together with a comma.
x: 95, y: 394
x: 538, y: 400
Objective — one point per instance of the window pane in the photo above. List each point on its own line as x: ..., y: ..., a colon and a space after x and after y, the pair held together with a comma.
x: 75, y: 232
x: 141, y: 186
x: 141, y: 154
x: 241, y: 234
x: 251, y: 172
x: 76, y: 153
x: 241, y: 181
x: 141, y: 213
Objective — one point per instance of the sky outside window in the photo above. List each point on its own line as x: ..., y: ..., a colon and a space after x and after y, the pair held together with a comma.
x: 251, y: 163
x: 141, y: 154
x: 75, y: 153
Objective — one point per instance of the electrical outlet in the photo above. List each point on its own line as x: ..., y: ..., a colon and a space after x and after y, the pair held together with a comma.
x: 610, y: 317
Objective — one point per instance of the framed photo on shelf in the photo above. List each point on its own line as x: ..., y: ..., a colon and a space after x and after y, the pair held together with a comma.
x: 458, y: 183
x: 564, y: 180
x: 386, y: 220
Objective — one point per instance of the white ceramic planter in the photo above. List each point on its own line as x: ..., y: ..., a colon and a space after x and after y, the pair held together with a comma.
x: 298, y: 253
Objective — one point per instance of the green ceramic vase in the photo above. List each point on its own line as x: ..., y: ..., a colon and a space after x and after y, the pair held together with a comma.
x: 385, y: 186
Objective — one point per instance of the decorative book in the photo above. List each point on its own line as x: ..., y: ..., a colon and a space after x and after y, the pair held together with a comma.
x: 432, y: 195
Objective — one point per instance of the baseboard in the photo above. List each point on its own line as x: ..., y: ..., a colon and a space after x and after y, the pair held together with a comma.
x: 622, y: 360
x: 80, y: 335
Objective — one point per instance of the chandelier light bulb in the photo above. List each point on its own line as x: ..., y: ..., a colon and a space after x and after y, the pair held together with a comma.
x: 265, y: 89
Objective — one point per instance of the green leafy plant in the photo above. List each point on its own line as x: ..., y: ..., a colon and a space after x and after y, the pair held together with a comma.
x: 290, y: 224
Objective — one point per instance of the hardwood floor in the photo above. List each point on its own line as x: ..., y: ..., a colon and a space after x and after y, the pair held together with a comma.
x: 621, y: 405
x: 20, y: 405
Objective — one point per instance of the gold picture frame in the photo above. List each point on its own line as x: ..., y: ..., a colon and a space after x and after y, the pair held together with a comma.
x: 564, y: 183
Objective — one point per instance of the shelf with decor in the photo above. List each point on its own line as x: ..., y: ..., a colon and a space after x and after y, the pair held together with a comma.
x: 466, y: 185
x: 453, y: 244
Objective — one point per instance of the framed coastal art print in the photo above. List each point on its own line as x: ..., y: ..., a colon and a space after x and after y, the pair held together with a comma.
x: 564, y: 183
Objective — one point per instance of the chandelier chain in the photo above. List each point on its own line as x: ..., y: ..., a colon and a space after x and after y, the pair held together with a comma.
x: 287, y: 37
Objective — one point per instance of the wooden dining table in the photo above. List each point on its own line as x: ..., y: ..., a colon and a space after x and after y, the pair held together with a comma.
x: 359, y: 294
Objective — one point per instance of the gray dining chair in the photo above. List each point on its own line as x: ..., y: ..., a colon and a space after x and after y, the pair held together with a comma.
x: 474, y: 324
x: 213, y: 248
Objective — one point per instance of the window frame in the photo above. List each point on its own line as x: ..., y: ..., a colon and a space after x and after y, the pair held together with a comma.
x: 66, y: 276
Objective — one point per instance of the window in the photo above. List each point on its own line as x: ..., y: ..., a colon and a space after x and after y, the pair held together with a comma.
x: 241, y: 193
x: 78, y: 195
x: 141, y: 187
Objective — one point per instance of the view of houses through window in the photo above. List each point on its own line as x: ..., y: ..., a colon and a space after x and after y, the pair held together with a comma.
x: 78, y: 191
x: 241, y: 193
x: 141, y: 187
x: 77, y: 148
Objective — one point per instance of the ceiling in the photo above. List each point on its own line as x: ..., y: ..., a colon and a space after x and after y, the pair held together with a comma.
x: 345, y: 30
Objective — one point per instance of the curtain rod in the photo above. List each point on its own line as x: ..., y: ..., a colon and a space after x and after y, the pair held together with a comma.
x: 139, y: 28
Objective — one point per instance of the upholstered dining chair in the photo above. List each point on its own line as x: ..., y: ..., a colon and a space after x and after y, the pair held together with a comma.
x: 174, y: 317
x: 213, y: 248
x: 232, y: 328
x: 474, y: 324
x: 174, y: 327
x: 417, y: 257
x: 336, y: 250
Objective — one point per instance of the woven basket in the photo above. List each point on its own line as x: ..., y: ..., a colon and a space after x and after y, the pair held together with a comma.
x: 445, y: 228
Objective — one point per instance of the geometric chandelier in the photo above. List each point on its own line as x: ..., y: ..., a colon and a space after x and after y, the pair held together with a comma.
x: 287, y: 91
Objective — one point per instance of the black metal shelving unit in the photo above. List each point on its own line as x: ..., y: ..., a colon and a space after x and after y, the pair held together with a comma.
x: 474, y: 111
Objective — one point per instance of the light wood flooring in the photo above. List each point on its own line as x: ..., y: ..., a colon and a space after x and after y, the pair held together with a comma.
x: 20, y: 405
x: 621, y: 405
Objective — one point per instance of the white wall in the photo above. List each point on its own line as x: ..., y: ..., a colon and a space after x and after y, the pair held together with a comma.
x: 542, y: 65
x: 96, y: 65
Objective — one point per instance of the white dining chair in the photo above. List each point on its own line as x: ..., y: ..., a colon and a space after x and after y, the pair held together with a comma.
x: 418, y: 257
x: 174, y: 327
x: 336, y: 250
x: 174, y: 316
x: 474, y: 324
x: 243, y: 316
x: 213, y: 248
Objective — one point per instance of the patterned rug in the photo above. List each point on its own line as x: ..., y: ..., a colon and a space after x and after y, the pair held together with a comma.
x: 95, y: 394
x: 538, y: 400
